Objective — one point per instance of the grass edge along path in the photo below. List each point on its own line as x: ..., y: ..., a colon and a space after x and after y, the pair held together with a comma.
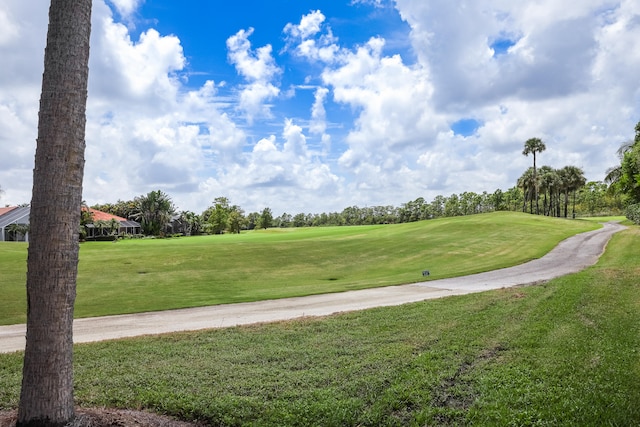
x: 134, y: 276
x: 562, y: 353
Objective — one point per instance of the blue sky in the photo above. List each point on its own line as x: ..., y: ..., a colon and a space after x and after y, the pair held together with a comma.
x: 204, y: 28
x: 319, y: 105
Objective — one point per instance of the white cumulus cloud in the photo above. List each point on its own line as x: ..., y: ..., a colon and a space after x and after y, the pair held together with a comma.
x: 259, y: 69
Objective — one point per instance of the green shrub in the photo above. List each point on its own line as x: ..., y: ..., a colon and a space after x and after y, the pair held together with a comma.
x: 633, y: 213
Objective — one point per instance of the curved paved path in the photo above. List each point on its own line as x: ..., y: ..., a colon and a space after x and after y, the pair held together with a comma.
x: 570, y: 256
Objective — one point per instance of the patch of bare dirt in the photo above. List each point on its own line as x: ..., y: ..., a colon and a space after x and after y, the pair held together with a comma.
x: 105, y: 417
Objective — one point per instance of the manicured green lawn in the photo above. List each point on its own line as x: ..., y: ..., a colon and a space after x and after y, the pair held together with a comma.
x: 148, y: 275
x: 620, y: 218
x: 564, y: 353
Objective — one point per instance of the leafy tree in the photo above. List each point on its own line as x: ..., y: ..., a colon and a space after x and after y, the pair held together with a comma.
x: 513, y: 198
x: 471, y: 203
x: 218, y: 215
x: 285, y: 220
x: 498, y: 200
x: 236, y: 220
x: 266, y: 219
x: 252, y: 220
x: 352, y: 215
x: 46, y: 396
x: 437, y: 206
x: 299, y: 220
x: 593, y: 198
x: 533, y: 146
x: 452, y: 206
x: 415, y: 210
x: 335, y: 219
x: 153, y: 212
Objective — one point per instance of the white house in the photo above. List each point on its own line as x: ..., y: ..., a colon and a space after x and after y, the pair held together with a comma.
x: 18, y: 215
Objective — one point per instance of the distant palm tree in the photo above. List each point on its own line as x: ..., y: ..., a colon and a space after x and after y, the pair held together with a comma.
x: 533, y: 146
x: 573, y: 179
x: 17, y: 231
x: 101, y: 225
x: 192, y: 223
x: 114, y: 226
x: 615, y: 173
x: 86, y: 218
x: 623, y: 179
x: 154, y: 212
x: 527, y: 183
x: 548, y: 178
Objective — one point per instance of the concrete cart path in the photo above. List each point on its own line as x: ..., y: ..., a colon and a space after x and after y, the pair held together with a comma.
x: 570, y: 256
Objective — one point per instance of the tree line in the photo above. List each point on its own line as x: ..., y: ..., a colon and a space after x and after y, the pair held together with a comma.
x: 544, y: 190
x: 541, y: 190
x: 624, y: 179
x: 557, y: 190
x: 551, y: 191
x: 562, y: 192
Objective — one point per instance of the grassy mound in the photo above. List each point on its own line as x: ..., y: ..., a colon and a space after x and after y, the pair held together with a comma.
x: 148, y: 275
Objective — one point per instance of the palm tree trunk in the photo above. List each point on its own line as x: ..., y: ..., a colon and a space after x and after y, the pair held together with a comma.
x: 46, y: 396
x: 531, y: 196
x: 535, y: 183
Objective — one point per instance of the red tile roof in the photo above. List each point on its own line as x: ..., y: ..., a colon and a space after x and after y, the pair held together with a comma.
x: 103, y: 216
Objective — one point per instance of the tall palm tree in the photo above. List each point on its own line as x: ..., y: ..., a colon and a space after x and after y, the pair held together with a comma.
x: 533, y: 146
x: 46, y: 397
